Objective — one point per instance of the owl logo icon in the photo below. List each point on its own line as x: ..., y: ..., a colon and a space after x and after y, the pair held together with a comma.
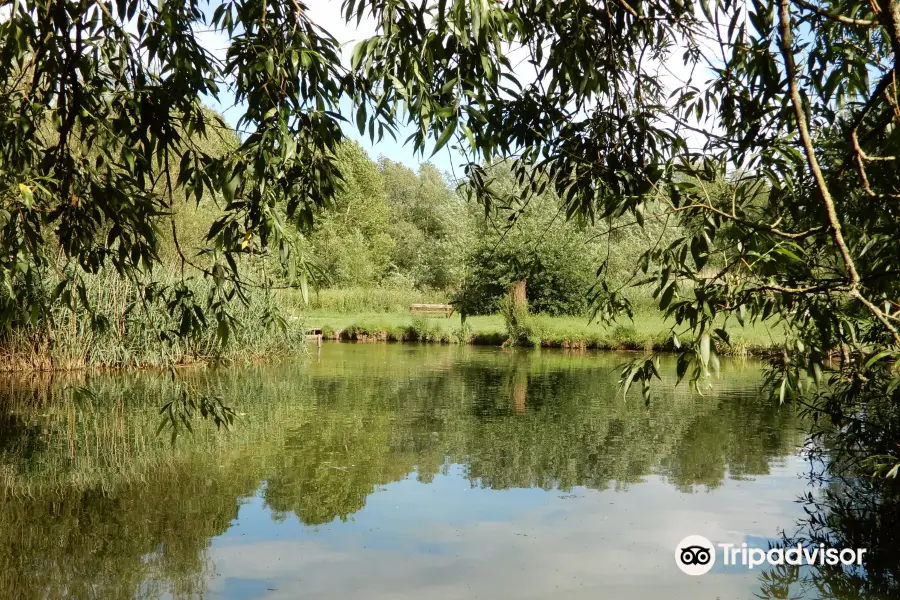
x: 695, y: 555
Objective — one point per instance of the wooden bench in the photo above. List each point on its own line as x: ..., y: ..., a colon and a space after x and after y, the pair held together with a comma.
x: 431, y: 309
x: 314, y: 332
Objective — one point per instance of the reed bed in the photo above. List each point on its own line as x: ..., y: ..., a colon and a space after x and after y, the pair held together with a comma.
x: 139, y: 336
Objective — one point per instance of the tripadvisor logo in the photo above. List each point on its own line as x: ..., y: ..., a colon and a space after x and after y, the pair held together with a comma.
x: 696, y: 555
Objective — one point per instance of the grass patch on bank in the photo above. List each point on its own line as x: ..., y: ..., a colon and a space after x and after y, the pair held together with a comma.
x: 368, y: 300
x: 648, y: 331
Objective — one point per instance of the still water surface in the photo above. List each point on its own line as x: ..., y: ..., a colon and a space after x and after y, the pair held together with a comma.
x: 394, y: 471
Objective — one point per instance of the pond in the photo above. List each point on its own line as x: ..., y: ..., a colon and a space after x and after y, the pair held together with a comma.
x: 401, y: 471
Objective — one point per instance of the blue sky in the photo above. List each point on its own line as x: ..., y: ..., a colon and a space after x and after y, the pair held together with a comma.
x: 446, y: 160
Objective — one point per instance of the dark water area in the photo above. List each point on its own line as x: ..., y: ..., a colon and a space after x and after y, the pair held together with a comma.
x: 398, y: 471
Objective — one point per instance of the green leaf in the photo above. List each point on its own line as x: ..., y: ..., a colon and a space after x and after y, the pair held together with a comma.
x: 445, y: 137
x: 704, y: 349
x: 666, y: 298
x: 304, y: 288
x: 684, y: 361
x: 698, y: 252
x: 878, y: 357
x: 817, y: 373
x: 230, y: 187
x: 893, y: 472
x: 625, y: 386
x: 361, y: 118
x: 469, y: 135
x: 27, y: 196
x: 223, y: 331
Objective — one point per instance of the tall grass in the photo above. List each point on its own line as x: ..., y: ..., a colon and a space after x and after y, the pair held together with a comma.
x: 137, y: 335
x: 519, y: 325
x: 369, y: 300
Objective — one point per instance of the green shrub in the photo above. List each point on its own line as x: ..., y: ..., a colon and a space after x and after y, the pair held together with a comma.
x: 624, y: 333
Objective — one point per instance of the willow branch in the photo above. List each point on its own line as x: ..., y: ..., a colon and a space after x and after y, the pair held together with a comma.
x: 761, y: 226
x: 835, y: 224
x: 834, y: 17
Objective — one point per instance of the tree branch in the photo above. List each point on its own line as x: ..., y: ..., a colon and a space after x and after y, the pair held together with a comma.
x: 834, y: 17
x: 788, y: 55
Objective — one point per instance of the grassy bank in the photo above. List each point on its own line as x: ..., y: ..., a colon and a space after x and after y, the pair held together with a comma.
x: 133, y: 338
x: 382, y: 315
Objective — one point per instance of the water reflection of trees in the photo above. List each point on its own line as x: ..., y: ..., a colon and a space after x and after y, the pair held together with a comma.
x: 323, y: 440
x: 846, y: 508
x: 574, y: 430
x: 844, y: 516
x: 145, y: 540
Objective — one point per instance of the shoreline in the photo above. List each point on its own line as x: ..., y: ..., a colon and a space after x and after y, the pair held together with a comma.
x: 646, y: 334
x: 363, y: 335
x: 649, y: 331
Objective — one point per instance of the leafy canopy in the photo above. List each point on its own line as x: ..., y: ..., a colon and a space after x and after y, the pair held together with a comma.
x: 102, y: 122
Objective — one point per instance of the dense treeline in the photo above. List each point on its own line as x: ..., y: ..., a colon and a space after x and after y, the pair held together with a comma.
x: 393, y: 228
x: 390, y: 227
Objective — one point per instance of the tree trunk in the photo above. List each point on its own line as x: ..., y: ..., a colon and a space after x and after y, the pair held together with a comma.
x: 517, y: 293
